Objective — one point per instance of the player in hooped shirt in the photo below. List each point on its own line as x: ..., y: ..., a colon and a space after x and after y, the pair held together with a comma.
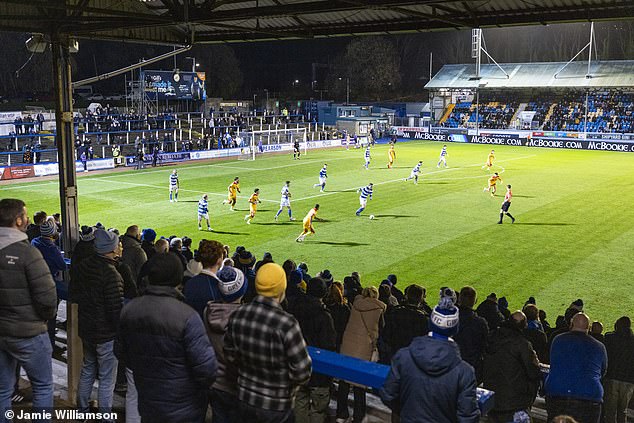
x: 506, y: 205
x: 414, y: 174
x: 203, y: 213
x: 443, y: 156
x: 322, y: 178
x: 174, y: 185
x: 285, y: 201
x: 367, y: 157
x: 365, y: 192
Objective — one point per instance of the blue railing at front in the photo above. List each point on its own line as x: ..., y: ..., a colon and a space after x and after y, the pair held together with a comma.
x: 369, y: 374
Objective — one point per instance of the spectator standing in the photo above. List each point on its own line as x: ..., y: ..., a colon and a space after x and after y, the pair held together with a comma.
x: 577, y: 364
x: 596, y: 331
x: 148, y: 236
x: 511, y: 370
x: 186, y: 250
x: 223, y: 395
x: 266, y: 345
x: 428, y: 381
x: 311, y: 404
x: 534, y: 332
x: 27, y: 301
x: 394, y: 290
x: 176, y: 247
x: 97, y: 288
x: 385, y: 294
x: 339, y: 311
x: 619, y: 380
x: 360, y: 341
x: 203, y: 287
x: 171, y: 359
x: 133, y: 254
x: 33, y: 230
x: 473, y: 332
x: 489, y: 311
x: 403, y: 323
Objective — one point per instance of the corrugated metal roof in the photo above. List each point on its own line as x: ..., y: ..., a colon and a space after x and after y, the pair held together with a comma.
x: 604, y: 74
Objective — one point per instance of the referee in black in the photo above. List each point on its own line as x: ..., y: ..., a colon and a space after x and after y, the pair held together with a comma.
x: 506, y: 205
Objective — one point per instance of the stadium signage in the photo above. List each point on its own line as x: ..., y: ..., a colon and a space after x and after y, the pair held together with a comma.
x: 506, y: 139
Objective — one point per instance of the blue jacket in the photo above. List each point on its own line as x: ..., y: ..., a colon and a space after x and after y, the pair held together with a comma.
x: 199, y: 290
x: 163, y: 341
x: 52, y: 255
x: 429, y: 383
x: 577, y: 364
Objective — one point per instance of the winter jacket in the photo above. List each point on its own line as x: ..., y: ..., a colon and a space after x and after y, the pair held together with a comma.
x: 511, y: 369
x: 620, y: 349
x: 429, y: 382
x: 318, y: 330
x: 490, y: 312
x: 148, y: 248
x: 577, y: 364
x: 472, y: 338
x: 362, y: 331
x: 133, y: 255
x: 340, y: 314
x: 97, y: 287
x: 539, y: 341
x: 201, y: 289
x: 27, y: 290
x: 178, y: 253
x: 163, y: 341
x: 52, y: 256
x: 402, y: 324
x: 216, y: 317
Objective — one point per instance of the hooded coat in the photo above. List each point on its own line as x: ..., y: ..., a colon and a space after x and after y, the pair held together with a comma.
x: 216, y: 318
x: 429, y: 382
x: 27, y: 290
x: 362, y: 331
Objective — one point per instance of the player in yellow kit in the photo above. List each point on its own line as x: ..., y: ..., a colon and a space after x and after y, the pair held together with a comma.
x: 493, y: 180
x: 391, y: 155
x: 233, y: 189
x: 254, y: 200
x: 308, y: 223
x: 490, y: 159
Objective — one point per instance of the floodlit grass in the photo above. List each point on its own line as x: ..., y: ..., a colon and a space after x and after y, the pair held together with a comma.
x: 573, y: 237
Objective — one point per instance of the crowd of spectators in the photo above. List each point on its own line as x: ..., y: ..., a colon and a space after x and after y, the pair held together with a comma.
x: 184, y: 329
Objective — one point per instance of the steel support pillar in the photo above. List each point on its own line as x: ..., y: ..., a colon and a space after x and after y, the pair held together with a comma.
x: 67, y: 190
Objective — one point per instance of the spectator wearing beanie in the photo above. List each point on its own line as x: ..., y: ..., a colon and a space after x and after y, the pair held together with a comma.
x: 511, y: 370
x: 578, y: 362
x: 489, y: 311
x: 171, y: 358
x: 403, y: 323
x: 148, y: 236
x: 318, y: 329
x: 186, y: 250
x: 245, y: 261
x: 619, y: 380
x: 385, y: 294
x: 351, y: 287
x: 304, y: 268
x: 266, y: 345
x: 473, y: 332
x: 394, y: 290
x: 503, y: 306
x: 339, y: 310
x: 360, y: 341
x: 428, y: 381
x: 85, y: 247
x: 324, y: 274
x: 294, y: 293
x: 223, y: 395
x: 203, y: 287
x: 266, y: 258
x: 98, y: 291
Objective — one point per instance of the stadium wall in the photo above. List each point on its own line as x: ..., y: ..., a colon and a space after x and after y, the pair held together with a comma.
x: 565, y: 140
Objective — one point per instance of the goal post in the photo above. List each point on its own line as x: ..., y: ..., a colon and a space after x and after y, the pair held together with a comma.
x: 260, y: 141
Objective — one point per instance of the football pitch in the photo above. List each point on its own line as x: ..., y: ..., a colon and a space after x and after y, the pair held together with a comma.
x: 573, y: 237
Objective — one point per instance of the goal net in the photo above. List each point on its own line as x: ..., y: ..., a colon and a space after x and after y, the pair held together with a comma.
x: 271, y: 140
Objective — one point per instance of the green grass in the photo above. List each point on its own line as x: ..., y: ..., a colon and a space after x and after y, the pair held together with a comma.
x: 573, y: 236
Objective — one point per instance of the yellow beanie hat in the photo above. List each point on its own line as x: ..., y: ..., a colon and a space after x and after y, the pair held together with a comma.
x: 270, y: 280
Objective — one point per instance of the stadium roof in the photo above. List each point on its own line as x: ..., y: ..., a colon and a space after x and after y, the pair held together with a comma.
x: 606, y: 74
x: 211, y: 21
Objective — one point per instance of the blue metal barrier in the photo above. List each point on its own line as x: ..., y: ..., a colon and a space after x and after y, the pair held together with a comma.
x: 369, y: 374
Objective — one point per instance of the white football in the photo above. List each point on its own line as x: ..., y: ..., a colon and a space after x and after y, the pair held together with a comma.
x: 371, y: 217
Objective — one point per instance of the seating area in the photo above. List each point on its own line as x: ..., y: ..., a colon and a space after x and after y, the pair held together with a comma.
x: 492, y: 114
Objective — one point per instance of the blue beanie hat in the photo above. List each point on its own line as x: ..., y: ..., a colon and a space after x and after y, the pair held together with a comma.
x: 148, y: 235
x: 295, y: 277
x: 444, y: 318
x: 392, y: 279
x: 232, y: 284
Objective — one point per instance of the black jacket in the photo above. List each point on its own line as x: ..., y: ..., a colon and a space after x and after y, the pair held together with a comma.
x: 27, y: 291
x: 318, y: 329
x: 490, y: 312
x: 340, y: 314
x: 472, y: 338
x: 511, y: 369
x: 402, y: 324
x: 620, y: 348
x: 539, y: 341
x: 97, y: 287
x: 163, y: 341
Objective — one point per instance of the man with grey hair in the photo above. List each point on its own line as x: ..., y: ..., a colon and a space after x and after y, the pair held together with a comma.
x: 577, y: 364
